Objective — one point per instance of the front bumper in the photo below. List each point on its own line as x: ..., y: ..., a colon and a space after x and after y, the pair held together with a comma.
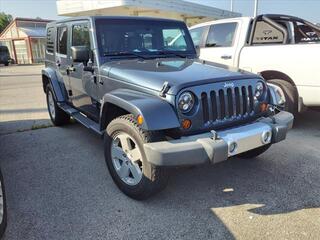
x: 218, y: 146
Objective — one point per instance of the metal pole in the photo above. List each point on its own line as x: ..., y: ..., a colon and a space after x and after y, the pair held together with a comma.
x: 255, y: 8
x: 231, y: 7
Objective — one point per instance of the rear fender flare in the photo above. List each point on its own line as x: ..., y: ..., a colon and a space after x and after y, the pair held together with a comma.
x: 50, y: 74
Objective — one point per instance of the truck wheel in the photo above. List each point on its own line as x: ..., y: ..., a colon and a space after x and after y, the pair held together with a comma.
x: 291, y: 95
x: 57, y: 115
x: 254, y: 152
x: 126, y: 159
x: 3, y: 207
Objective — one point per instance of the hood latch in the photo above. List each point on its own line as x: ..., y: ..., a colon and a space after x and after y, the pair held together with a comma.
x: 165, y: 88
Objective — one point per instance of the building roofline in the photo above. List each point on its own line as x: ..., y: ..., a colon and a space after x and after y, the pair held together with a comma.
x: 32, y: 19
x: 23, y: 19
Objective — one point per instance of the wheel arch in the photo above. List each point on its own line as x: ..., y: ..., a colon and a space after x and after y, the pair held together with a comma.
x: 49, y: 76
x: 152, y: 109
x: 273, y: 74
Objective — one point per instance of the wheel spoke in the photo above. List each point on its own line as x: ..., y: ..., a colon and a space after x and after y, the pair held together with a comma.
x: 117, y: 152
x: 124, y: 170
x: 125, y: 143
x: 136, y: 172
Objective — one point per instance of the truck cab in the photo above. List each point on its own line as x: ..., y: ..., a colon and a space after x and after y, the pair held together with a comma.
x: 273, y: 46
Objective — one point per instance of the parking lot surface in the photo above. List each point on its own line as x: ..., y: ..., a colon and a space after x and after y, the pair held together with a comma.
x: 58, y: 186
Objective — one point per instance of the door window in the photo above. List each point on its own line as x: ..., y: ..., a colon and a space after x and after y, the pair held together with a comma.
x: 221, y: 35
x: 196, y: 35
x: 62, y: 40
x: 80, y: 35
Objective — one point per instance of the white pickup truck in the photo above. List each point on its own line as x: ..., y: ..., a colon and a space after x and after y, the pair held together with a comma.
x: 285, y: 50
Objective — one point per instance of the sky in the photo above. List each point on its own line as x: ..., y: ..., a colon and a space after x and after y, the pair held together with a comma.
x: 307, y: 9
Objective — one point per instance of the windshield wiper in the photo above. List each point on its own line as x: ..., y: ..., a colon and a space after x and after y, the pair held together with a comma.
x: 116, y: 54
x: 172, y: 53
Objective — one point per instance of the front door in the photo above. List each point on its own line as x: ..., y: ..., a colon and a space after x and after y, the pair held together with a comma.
x: 83, y: 83
x: 220, y: 44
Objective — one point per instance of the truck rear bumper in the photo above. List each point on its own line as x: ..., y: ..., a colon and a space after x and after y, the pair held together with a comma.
x: 218, y: 146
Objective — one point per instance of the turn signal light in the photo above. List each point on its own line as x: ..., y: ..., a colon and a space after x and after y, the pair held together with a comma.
x: 186, y: 124
x: 140, y: 119
x: 263, y: 107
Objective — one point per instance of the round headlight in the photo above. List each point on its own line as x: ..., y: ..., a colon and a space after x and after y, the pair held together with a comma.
x: 259, y: 90
x: 186, y: 102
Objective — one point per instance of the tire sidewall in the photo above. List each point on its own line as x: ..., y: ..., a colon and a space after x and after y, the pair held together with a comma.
x: 55, y: 104
x: 3, y: 223
x: 291, y: 104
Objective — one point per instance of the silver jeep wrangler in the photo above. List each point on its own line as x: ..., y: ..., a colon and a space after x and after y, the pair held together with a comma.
x: 154, y: 102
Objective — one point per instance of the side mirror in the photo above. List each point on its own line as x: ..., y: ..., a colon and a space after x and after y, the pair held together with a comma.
x: 80, y: 54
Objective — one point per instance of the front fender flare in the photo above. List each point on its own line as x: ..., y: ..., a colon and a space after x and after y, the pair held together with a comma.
x: 157, y: 113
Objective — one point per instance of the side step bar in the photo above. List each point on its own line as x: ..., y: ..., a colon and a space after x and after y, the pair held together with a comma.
x: 81, y: 118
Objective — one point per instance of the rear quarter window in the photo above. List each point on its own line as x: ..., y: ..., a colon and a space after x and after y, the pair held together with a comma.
x: 50, y: 40
x: 264, y: 33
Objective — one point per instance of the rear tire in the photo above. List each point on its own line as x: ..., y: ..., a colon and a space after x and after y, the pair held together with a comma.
x: 254, y: 152
x: 6, y: 64
x: 291, y: 95
x: 123, y: 139
x: 57, y: 115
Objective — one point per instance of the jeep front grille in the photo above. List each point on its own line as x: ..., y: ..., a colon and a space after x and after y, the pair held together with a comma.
x: 227, y: 103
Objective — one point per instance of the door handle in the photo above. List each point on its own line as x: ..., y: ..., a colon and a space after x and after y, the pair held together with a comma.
x: 226, y: 57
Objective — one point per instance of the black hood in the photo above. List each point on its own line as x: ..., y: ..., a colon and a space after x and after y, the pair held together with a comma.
x: 178, y: 72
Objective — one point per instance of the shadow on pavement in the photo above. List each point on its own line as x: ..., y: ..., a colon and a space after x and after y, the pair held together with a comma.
x: 58, y: 187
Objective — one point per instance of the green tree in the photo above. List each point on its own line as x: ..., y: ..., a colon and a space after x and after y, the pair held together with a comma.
x: 5, y: 19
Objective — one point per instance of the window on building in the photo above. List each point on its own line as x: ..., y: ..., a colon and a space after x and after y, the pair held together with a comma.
x: 196, y: 35
x: 62, y: 40
x: 80, y: 35
x: 221, y: 35
x: 50, y: 40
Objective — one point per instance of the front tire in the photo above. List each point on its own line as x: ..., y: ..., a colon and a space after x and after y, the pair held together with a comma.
x: 57, y: 115
x: 126, y: 159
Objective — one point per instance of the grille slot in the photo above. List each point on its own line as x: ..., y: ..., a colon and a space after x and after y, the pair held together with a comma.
x: 228, y: 103
x: 204, y: 101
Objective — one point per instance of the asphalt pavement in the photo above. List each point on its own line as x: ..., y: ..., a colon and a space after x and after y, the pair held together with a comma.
x: 58, y: 186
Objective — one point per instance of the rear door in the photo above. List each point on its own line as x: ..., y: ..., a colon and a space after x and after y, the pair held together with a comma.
x: 61, y: 56
x: 220, y: 44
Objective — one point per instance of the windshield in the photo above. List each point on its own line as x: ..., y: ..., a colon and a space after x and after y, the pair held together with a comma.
x: 142, y: 38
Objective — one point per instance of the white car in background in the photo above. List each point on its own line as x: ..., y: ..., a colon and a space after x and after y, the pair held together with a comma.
x: 283, y: 49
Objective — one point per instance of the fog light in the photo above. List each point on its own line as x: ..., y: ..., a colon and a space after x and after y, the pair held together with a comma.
x: 232, y: 147
x: 186, y: 124
x: 266, y: 137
